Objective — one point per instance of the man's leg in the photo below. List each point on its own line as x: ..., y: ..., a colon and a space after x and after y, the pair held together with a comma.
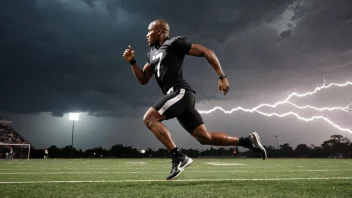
x: 166, y: 108
x: 223, y: 139
x: 152, y: 119
x: 217, y: 138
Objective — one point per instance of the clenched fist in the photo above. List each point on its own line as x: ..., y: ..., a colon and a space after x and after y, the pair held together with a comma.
x: 223, y: 85
x: 128, y: 55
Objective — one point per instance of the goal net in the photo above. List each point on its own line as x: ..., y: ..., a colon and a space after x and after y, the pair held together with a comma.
x: 14, y: 151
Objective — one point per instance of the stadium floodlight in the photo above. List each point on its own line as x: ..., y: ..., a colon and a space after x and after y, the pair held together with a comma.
x: 74, y: 117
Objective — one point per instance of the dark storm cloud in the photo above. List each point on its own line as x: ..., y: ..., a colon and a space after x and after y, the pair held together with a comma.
x: 61, y: 56
x: 323, y: 32
x: 206, y: 19
x: 313, y: 41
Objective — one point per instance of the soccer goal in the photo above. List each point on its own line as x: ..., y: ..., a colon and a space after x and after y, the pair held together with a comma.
x: 15, y: 151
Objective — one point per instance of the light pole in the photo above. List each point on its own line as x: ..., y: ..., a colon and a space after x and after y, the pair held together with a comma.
x: 277, y: 142
x: 74, y: 117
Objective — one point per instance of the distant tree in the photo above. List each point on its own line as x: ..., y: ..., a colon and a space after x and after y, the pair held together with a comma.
x: 53, y: 151
x: 116, y: 150
x: 286, y: 150
x: 336, y: 145
x: 302, y: 150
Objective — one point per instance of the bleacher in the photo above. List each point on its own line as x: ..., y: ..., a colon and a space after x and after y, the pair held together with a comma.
x: 10, y: 135
x: 9, y: 138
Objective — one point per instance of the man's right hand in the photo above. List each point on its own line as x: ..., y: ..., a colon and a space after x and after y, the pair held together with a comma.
x: 128, y: 55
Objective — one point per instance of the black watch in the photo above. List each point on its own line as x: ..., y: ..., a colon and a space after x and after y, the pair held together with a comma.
x: 222, y: 76
x: 133, y: 61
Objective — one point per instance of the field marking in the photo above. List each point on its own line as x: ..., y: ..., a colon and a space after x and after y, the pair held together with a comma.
x: 36, y: 169
x: 153, y: 168
x: 145, y: 172
x: 135, y: 163
x: 159, y: 166
x: 181, y: 180
x: 225, y: 164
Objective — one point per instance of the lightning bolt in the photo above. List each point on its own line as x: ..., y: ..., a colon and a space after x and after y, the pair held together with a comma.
x: 287, y: 101
x: 345, y: 109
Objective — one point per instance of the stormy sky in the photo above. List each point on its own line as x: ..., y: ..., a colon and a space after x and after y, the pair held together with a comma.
x: 63, y: 56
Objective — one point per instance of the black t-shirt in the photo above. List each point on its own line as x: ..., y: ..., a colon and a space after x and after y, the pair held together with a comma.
x: 167, y: 62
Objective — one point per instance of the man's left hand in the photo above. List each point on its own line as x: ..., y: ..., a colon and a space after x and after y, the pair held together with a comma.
x: 223, y: 85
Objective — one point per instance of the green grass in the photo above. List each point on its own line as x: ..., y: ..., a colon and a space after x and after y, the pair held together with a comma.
x: 146, y: 178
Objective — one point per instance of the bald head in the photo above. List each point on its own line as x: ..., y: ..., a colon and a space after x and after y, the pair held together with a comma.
x: 160, y: 25
x: 158, y: 31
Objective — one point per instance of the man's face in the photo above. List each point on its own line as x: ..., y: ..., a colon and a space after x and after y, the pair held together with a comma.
x: 153, y: 35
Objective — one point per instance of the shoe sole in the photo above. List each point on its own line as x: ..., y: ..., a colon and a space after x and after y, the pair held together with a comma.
x: 259, y: 145
x: 190, y: 160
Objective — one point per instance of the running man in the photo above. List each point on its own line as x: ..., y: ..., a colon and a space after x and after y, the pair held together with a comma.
x: 165, y: 61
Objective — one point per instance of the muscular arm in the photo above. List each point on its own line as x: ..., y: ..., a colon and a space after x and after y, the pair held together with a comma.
x: 201, y: 51
x: 142, y: 76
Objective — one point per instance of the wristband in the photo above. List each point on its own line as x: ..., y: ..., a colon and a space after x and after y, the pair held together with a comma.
x: 222, y: 76
x: 133, y: 61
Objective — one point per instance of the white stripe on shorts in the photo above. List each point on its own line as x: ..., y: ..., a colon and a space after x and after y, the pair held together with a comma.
x: 172, y: 101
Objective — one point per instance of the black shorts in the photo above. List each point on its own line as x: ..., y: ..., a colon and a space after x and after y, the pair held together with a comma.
x: 180, y: 104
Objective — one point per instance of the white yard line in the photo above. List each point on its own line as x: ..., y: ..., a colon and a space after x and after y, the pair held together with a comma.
x: 181, y: 180
x: 154, y: 167
x: 146, y: 172
x: 63, y: 169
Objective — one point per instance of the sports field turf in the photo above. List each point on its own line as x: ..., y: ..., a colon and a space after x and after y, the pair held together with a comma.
x: 204, y: 178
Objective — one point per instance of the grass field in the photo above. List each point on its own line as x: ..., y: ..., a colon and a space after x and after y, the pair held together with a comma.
x: 204, y: 178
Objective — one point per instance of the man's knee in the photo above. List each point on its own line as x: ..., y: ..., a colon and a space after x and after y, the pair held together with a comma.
x: 202, y: 135
x: 152, y: 116
x: 147, y: 121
